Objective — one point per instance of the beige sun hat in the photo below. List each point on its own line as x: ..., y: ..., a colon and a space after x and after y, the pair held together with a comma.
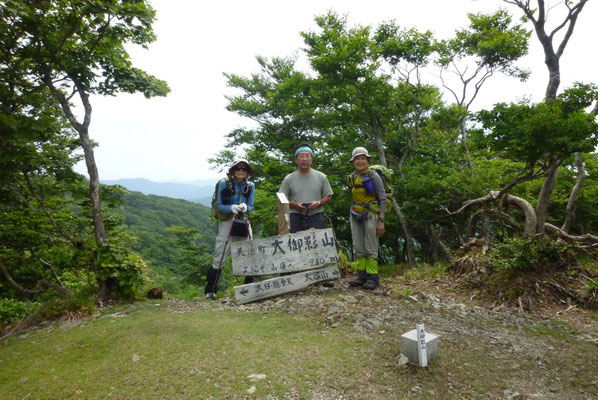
x: 360, y: 151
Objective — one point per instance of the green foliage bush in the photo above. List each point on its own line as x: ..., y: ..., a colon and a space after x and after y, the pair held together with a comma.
x: 344, y: 265
x: 12, y: 309
x: 520, y: 254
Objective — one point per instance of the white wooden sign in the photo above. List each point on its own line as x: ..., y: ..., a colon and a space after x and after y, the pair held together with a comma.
x: 284, y: 218
x: 284, y: 284
x: 284, y: 253
x: 421, y: 345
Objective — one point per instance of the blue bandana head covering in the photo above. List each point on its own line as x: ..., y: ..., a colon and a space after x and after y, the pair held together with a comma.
x: 303, y: 148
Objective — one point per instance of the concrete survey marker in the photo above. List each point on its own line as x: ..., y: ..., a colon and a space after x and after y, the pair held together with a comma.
x: 284, y: 284
x: 284, y: 253
x: 422, y: 351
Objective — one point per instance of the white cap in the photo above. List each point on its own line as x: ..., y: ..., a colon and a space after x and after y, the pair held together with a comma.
x: 360, y: 151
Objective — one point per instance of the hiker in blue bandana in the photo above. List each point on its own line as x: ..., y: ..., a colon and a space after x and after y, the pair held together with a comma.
x: 307, y: 191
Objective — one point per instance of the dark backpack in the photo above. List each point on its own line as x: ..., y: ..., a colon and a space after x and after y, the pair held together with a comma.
x: 227, y: 195
x: 215, y: 211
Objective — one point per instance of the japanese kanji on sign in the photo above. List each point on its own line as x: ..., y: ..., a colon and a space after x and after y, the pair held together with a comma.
x: 284, y: 284
x: 292, y: 252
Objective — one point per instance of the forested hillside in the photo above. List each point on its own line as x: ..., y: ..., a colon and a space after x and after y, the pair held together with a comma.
x: 149, y: 217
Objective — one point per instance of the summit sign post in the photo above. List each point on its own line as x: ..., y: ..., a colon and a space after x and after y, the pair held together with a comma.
x: 304, y: 258
x: 292, y: 252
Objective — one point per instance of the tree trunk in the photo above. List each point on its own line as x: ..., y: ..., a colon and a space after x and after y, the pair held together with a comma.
x: 408, y: 238
x: 442, y: 249
x: 507, y: 199
x: 428, y: 246
x: 581, y: 176
x: 531, y: 220
x: 538, y: 16
x: 94, y: 179
x: 464, y: 146
x: 485, y: 233
x: 545, y: 194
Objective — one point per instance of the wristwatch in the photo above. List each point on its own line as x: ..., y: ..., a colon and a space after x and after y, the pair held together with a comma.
x: 381, y: 219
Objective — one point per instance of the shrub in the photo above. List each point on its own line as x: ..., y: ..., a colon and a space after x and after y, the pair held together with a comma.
x: 520, y: 254
x: 11, y: 309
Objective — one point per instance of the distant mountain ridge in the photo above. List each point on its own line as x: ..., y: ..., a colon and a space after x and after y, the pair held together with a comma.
x: 198, y: 191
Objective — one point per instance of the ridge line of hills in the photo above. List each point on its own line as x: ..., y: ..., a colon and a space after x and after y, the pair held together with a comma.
x: 198, y: 191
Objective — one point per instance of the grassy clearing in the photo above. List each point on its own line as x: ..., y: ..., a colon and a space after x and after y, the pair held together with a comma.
x: 201, y: 350
x: 155, y: 353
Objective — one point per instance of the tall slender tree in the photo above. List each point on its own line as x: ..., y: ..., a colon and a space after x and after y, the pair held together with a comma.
x: 76, y: 49
x: 554, y: 49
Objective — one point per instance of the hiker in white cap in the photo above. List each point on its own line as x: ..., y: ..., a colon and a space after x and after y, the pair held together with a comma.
x: 367, y: 218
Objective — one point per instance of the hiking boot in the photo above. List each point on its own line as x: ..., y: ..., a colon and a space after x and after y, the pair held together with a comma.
x: 361, y: 276
x: 370, y: 285
x: 357, y: 282
x: 211, y: 296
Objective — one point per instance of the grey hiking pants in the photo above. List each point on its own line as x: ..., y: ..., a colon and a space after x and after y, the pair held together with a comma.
x: 219, y: 246
x: 365, y: 236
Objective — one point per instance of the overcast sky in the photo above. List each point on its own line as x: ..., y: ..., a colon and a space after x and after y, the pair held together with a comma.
x: 171, y: 138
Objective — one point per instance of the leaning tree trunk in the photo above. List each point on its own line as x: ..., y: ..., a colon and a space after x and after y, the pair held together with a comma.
x: 531, y: 220
x: 408, y: 238
x: 507, y: 199
x: 94, y: 179
x: 545, y: 194
x: 581, y: 176
x: 94, y: 187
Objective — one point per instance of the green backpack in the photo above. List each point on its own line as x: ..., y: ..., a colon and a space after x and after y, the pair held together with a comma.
x: 386, y: 176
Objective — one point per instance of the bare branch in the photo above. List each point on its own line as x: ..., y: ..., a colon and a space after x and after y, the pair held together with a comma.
x: 47, y: 264
x: 587, y: 238
x: 492, y: 197
x: 43, y: 285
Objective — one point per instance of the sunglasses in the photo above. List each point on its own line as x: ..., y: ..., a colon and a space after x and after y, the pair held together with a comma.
x: 242, y: 169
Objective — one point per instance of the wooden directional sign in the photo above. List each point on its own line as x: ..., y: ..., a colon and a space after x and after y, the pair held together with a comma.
x: 285, y: 253
x: 284, y: 284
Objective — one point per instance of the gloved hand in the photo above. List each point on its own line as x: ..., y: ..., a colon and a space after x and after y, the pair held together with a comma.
x: 234, y: 208
x: 243, y: 207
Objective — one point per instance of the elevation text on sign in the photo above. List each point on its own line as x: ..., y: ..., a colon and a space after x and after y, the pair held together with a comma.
x: 285, y: 253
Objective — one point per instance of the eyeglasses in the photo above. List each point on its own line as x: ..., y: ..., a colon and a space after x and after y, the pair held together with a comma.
x: 242, y: 169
